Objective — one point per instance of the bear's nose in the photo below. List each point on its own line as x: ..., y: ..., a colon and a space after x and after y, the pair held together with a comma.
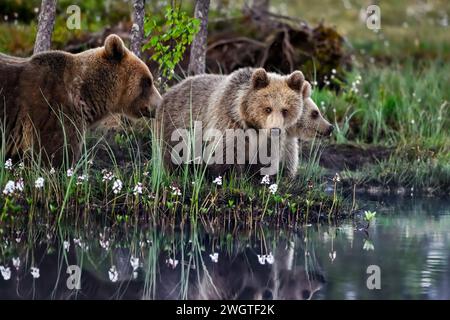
x: 330, y: 130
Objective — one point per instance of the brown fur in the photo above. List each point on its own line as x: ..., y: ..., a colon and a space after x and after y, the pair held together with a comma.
x: 247, y: 98
x: 56, y: 94
x: 310, y: 125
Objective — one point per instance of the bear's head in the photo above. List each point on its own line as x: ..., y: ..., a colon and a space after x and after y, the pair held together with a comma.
x: 272, y: 101
x: 311, y: 122
x: 134, y: 92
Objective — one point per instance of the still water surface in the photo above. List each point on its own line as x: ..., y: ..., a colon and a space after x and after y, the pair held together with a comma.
x: 409, y: 241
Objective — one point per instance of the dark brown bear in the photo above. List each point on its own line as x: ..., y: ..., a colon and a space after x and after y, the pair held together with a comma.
x: 50, y: 99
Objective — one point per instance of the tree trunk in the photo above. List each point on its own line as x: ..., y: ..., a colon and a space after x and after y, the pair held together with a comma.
x: 137, y: 31
x: 197, y: 58
x: 46, y: 23
x: 260, y: 5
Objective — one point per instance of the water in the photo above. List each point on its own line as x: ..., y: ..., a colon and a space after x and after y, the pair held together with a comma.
x: 409, y: 241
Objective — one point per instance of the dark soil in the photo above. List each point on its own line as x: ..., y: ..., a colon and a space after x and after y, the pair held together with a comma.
x: 338, y: 157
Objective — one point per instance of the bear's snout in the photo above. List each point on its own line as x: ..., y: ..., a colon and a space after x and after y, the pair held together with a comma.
x: 330, y: 130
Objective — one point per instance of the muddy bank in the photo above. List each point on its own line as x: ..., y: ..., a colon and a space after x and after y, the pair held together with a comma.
x: 338, y: 157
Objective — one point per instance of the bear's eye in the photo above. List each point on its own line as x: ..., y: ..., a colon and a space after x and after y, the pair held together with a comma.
x: 314, y: 114
x: 268, y: 110
x: 284, y: 112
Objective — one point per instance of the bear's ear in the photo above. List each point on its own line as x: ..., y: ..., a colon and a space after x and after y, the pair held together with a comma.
x: 114, y: 47
x: 295, y: 81
x: 306, y: 90
x: 260, y: 79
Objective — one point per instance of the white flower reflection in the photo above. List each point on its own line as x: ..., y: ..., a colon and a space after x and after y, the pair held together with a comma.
x: 214, y: 257
x: 113, y: 274
x: 35, y: 272
x: 6, y: 272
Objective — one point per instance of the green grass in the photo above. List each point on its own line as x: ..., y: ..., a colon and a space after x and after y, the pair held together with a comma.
x: 185, y: 196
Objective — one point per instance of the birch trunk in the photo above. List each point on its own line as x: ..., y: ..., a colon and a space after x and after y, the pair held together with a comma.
x: 46, y: 23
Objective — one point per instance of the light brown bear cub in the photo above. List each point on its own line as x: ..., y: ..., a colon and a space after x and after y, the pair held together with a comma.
x: 245, y: 99
x: 40, y: 93
x: 311, y: 124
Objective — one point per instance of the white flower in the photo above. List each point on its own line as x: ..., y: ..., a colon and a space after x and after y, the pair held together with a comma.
x: 6, y: 272
x: 8, y: 164
x: 113, y: 274
x: 172, y: 263
x: 16, y: 262
x: 214, y: 257
x: 35, y: 272
x: 273, y: 188
x: 66, y: 245
x: 52, y: 171
x: 218, y: 180
x: 19, y: 185
x: 262, y: 259
x: 368, y: 245
x: 270, y: 259
x: 134, y: 263
x: 104, y: 244
x: 107, y: 175
x: 21, y: 165
x: 332, y: 255
x: 39, y: 183
x: 336, y: 178
x: 9, y: 188
x: 333, y: 71
x: 81, y: 179
x: 137, y: 189
x: 69, y: 172
x: 175, y: 191
x: 117, y: 186
x: 265, y: 180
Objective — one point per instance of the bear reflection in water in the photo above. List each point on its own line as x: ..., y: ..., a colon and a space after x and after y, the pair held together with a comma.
x: 241, y: 275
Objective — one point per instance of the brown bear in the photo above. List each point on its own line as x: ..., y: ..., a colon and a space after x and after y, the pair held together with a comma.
x: 50, y: 99
x: 311, y: 124
x: 231, y: 107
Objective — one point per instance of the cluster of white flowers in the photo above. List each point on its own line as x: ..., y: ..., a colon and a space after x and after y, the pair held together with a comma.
x: 69, y: 172
x: 107, y: 175
x: 175, y: 191
x: 138, y: 189
x: 336, y: 178
x: 16, y: 263
x: 117, y: 186
x: 81, y: 179
x: 39, y: 183
x: 355, y: 84
x: 104, y: 244
x: 262, y: 259
x: 332, y: 255
x: 134, y: 263
x: 12, y: 187
x: 265, y: 180
x: 35, y: 272
x: 113, y: 274
x: 81, y: 244
x: 172, y: 263
x: 214, y: 257
x: 218, y: 180
x: 8, y: 164
x: 66, y: 245
x: 52, y: 171
x: 273, y: 188
x: 6, y: 272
